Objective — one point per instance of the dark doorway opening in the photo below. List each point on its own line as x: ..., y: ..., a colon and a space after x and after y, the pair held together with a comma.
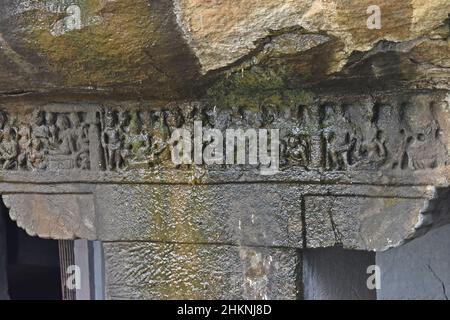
x: 33, y: 266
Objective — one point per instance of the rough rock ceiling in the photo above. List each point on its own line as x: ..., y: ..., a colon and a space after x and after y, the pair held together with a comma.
x: 181, y: 47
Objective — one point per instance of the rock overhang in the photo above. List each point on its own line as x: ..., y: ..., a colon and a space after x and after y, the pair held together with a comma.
x: 181, y: 47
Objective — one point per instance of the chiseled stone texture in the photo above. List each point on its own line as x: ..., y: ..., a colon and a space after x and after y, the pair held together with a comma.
x: 66, y: 216
x: 360, y: 222
x: 258, y: 214
x: 196, y: 271
x: 240, y: 214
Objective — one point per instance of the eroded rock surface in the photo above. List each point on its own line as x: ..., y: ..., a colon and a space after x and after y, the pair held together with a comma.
x: 164, y: 49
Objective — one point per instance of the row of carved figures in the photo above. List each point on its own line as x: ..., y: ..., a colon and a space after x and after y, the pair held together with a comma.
x: 347, y: 140
x: 44, y: 139
x: 143, y: 137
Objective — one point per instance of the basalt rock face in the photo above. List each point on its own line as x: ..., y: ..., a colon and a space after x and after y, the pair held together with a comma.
x: 170, y: 49
x: 92, y: 91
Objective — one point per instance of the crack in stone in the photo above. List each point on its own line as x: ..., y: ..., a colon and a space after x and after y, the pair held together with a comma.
x: 444, y: 291
x: 337, y: 233
x: 15, y: 93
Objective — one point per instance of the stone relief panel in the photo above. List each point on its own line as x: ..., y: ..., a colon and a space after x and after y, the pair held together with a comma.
x: 348, y: 137
x: 361, y: 134
x: 382, y: 137
x: 136, y: 138
x: 142, y: 138
x: 44, y: 140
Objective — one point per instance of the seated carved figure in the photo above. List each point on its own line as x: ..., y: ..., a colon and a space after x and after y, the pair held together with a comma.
x: 297, y: 149
x: 37, y: 154
x: 425, y: 150
x: 64, y: 142
x: 137, y: 140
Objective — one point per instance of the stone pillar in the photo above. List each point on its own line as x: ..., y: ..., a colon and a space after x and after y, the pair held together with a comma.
x: 201, y: 242
x: 89, y: 258
x: 200, y: 271
x: 337, y: 274
x: 3, y: 255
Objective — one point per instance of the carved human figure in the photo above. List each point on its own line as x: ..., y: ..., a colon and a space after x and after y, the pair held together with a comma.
x: 39, y: 140
x: 65, y: 145
x: 419, y: 143
x: 198, y: 114
x: 39, y: 129
x: 124, y: 121
x: 218, y: 118
x: 111, y: 141
x: 24, y: 134
x: 50, y: 121
x: 129, y: 128
x: 372, y: 150
x: 138, y: 141
x: 79, y: 141
x: 333, y: 156
x: 174, y: 119
x: 369, y: 152
x: 339, y: 139
x: 37, y: 154
x: 253, y: 119
x: 424, y: 149
x: 145, y: 120
x: 9, y: 149
x: 160, y: 139
x: 238, y: 117
x: 298, y: 149
x: 268, y: 115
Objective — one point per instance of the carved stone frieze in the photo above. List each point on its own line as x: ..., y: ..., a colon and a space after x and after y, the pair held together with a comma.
x: 104, y: 171
x: 44, y: 140
x: 356, y: 134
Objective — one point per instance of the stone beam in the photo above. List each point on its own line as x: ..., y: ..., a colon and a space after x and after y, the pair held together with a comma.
x: 359, y: 171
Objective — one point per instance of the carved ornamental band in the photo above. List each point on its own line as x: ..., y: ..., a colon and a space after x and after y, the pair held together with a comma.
x: 326, y: 136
